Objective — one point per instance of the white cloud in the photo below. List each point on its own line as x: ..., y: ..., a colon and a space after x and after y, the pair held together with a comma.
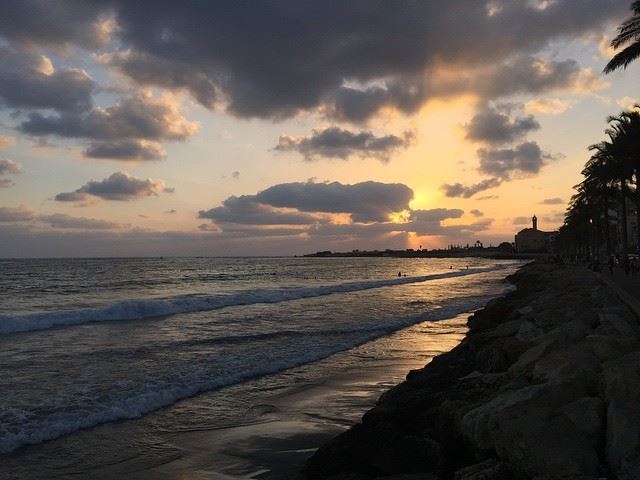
x: 627, y: 103
x: 548, y: 106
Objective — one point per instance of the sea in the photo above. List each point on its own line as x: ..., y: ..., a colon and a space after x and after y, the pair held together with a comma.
x: 212, y: 367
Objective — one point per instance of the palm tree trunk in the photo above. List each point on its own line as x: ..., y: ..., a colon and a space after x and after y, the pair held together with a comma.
x: 598, y: 235
x: 637, y: 210
x: 625, y: 231
x: 607, y: 233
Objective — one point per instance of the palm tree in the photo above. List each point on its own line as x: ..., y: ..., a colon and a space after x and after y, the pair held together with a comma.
x: 600, y: 178
x: 576, y: 231
x: 625, y: 130
x: 629, y: 35
x: 610, y: 152
x: 613, y: 164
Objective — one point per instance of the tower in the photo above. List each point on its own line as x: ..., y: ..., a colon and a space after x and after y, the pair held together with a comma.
x: 534, y: 220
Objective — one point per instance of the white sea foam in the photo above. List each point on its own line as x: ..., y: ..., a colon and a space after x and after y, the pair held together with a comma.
x: 18, y: 428
x: 139, y: 309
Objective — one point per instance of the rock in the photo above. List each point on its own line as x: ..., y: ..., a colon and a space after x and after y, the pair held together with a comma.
x: 528, y: 429
x: 587, y: 415
x: 491, y: 469
x: 577, y: 365
x: 375, y: 449
x: 477, y: 424
x: 498, y: 355
x: 621, y: 323
x: 413, y: 476
x: 491, y: 315
x: 622, y: 396
x: 525, y: 363
x: 472, y: 375
x: 525, y: 310
x: 528, y: 331
x: 506, y: 329
x: 606, y: 347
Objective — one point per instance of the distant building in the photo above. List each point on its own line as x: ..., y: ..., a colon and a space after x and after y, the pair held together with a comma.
x: 531, y: 240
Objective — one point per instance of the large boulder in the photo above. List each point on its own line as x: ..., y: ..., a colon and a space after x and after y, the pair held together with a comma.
x: 622, y: 396
x: 375, y: 449
x: 534, y: 429
x: 491, y: 469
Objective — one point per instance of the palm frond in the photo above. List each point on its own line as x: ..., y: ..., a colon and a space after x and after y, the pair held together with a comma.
x: 624, y: 58
x: 628, y: 31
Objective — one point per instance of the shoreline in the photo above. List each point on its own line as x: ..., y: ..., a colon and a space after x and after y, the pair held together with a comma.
x: 545, y: 385
x: 281, y: 426
x: 490, y: 254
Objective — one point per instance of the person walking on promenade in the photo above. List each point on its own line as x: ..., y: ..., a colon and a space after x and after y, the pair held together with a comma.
x: 611, y: 263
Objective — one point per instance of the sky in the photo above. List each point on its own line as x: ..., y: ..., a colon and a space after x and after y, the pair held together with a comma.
x: 287, y: 127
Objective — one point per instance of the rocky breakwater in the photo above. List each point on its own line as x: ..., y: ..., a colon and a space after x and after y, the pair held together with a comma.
x: 546, y: 385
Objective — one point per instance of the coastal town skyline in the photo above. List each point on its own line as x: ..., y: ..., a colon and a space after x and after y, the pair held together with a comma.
x: 127, y: 132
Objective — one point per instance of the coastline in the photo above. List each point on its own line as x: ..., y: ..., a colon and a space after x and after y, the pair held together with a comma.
x: 486, y: 253
x: 543, y: 386
x: 277, y: 431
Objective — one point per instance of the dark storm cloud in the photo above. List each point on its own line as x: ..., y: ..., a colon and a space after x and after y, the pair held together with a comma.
x: 28, y: 80
x: 430, y: 229
x: 244, y: 216
x: 494, y: 127
x: 129, y: 149
x: 523, y: 74
x: 138, y: 116
x: 16, y: 214
x: 524, y: 159
x: 120, y: 186
x: 247, y: 210
x: 421, y: 228
x: 365, y: 201
x: 468, y: 191
x: 552, y: 201
x: 8, y: 167
x: 207, y: 227
x: 435, y: 214
x: 53, y: 23
x: 359, y: 104
x: 168, y: 73
x: 60, y: 220
x: 335, y: 142
x: 275, y: 59
x: 76, y: 196
x: 261, y: 231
